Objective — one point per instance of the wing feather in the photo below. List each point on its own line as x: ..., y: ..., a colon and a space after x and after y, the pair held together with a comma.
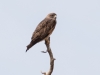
x: 43, y: 30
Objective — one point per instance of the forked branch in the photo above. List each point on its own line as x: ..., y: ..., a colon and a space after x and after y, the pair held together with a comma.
x: 47, y: 43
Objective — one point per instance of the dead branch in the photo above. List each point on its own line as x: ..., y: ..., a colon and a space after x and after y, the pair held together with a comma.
x: 47, y: 43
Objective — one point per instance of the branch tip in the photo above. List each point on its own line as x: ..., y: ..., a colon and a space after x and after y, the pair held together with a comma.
x: 43, y: 72
x: 44, y: 51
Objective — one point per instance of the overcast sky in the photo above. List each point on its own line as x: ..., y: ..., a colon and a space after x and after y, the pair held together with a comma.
x: 75, y: 41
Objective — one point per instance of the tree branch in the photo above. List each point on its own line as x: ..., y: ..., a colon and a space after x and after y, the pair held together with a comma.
x: 47, y: 43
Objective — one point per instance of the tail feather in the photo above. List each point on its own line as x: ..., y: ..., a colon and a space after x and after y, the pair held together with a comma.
x: 30, y: 45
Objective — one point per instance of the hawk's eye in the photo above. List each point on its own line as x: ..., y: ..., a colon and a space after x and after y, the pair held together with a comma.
x: 52, y: 15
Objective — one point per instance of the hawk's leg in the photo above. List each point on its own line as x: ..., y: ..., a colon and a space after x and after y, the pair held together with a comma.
x: 47, y: 43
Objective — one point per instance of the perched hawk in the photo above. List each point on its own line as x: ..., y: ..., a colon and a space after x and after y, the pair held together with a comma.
x: 43, y: 30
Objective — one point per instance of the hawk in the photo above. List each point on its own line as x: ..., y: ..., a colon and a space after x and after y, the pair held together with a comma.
x: 43, y: 30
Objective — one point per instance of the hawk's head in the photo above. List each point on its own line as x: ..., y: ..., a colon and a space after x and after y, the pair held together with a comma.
x: 52, y: 15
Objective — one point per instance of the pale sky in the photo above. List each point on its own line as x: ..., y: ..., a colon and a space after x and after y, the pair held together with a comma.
x: 75, y: 42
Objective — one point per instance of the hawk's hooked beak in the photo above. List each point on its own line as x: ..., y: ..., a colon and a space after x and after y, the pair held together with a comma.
x: 55, y: 16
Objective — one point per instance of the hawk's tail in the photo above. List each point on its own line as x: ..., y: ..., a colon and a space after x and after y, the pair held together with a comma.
x: 30, y: 45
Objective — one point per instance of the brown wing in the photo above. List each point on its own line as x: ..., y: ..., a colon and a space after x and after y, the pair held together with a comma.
x: 43, y: 30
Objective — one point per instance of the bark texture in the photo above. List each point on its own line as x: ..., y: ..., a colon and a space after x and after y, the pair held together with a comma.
x: 47, y: 43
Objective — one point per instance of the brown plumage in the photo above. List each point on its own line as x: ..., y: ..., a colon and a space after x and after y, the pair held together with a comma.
x: 43, y: 30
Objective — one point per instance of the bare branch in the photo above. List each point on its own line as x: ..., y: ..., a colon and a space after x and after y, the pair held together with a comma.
x: 43, y: 73
x: 51, y: 62
x: 44, y: 51
x: 47, y: 43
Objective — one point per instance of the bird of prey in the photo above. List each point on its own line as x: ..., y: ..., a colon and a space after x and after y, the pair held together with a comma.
x: 43, y: 30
